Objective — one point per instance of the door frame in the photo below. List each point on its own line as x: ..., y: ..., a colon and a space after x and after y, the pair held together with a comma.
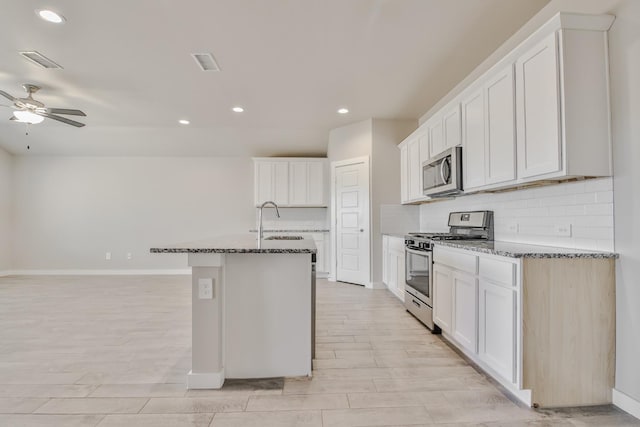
x: 333, y: 235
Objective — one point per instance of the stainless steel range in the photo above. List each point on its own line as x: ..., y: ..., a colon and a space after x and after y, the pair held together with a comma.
x: 418, y: 297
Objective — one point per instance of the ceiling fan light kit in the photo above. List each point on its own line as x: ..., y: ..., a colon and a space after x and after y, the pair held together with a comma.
x: 27, y: 117
x: 29, y: 110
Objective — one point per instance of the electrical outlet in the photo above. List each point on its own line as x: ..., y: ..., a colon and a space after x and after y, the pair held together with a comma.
x: 205, y: 288
x: 129, y: 256
x: 513, y: 227
x: 107, y: 256
x: 563, y: 230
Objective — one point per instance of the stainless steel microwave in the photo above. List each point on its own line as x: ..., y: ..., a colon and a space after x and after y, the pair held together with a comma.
x: 442, y: 175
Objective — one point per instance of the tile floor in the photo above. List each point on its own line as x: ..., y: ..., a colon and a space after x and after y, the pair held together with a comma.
x: 114, y: 351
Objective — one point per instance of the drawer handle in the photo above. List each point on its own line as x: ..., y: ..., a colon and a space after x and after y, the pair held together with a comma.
x: 415, y: 302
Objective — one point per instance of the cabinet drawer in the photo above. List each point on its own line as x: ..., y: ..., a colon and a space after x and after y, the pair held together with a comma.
x: 497, y: 271
x: 455, y: 259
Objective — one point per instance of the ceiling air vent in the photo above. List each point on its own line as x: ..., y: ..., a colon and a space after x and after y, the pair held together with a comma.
x: 206, y: 61
x: 40, y: 60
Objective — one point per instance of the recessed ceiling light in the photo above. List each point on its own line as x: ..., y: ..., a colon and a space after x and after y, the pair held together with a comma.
x: 238, y: 109
x: 343, y: 110
x: 50, y: 16
x: 184, y: 122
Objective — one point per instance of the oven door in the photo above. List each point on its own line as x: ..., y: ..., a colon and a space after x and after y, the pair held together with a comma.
x: 418, y: 270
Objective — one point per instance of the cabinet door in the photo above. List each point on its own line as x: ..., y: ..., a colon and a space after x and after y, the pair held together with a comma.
x: 451, y: 126
x: 501, y: 133
x: 392, y: 263
x: 321, y: 258
x: 281, y: 183
x: 316, y: 183
x: 538, y: 109
x: 497, y: 331
x: 442, y: 297
x: 400, y: 274
x: 465, y: 314
x: 415, y: 170
x: 404, y: 174
x: 298, y: 182
x: 271, y: 182
x: 424, y: 150
x: 473, y: 134
x: 385, y: 260
x: 436, y: 137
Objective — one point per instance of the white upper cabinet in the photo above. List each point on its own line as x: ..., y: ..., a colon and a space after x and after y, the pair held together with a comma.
x: 413, y: 152
x: 500, y: 154
x: 436, y: 135
x: 451, y: 126
x: 539, y: 140
x: 488, y: 132
x: 404, y: 173
x: 473, y: 135
x: 272, y: 182
x: 291, y: 181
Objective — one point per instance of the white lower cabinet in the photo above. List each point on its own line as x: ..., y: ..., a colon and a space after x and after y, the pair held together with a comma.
x: 497, y: 328
x: 442, y: 297
x: 475, y: 304
x: 465, y: 310
x: 393, y: 259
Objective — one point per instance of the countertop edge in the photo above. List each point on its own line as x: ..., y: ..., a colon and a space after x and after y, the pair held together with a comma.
x: 578, y: 254
x: 231, y: 251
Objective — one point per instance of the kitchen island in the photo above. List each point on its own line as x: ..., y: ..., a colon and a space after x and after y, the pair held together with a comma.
x: 252, y: 312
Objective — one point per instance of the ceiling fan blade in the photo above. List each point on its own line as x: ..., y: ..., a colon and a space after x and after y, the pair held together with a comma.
x: 65, y: 111
x: 6, y: 95
x: 61, y: 119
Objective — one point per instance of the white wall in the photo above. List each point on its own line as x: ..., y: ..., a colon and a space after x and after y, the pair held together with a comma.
x: 6, y: 200
x: 385, y: 179
x: 353, y: 140
x: 69, y: 211
x: 377, y: 139
x: 624, y: 48
x: 586, y: 205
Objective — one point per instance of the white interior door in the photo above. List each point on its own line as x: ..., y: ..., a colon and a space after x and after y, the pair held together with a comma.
x: 352, y: 222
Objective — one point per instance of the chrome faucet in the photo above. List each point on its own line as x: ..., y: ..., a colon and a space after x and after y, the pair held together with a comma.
x: 260, y: 232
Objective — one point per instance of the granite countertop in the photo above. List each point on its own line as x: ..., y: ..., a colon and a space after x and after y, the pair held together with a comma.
x: 291, y: 230
x: 240, y: 244
x: 523, y: 250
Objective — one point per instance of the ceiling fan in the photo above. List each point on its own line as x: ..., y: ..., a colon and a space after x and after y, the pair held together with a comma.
x: 29, y: 110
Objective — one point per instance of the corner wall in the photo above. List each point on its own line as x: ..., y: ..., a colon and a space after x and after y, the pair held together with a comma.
x: 385, y: 179
x: 6, y: 201
x: 624, y: 51
x: 70, y: 211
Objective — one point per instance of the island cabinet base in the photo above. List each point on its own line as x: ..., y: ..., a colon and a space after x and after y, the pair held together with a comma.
x: 568, y: 340
x: 257, y: 322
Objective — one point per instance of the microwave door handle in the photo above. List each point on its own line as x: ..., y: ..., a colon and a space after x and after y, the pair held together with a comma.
x: 444, y: 180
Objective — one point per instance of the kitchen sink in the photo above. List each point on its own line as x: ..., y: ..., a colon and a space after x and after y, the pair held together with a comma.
x: 284, y: 238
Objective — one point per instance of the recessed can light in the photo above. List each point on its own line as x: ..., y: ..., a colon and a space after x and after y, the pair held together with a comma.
x: 238, y: 109
x: 50, y: 16
x: 343, y: 110
x: 184, y: 122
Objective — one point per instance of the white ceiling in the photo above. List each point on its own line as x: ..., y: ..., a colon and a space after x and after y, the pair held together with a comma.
x: 290, y: 63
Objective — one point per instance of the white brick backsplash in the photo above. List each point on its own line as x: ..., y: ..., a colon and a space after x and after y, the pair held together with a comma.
x: 586, y: 205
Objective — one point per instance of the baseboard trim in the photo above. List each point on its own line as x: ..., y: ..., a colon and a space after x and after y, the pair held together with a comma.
x: 208, y: 380
x: 132, y: 272
x: 5, y: 273
x: 378, y: 285
x: 626, y: 403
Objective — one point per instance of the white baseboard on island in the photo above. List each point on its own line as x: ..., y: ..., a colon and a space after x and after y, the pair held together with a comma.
x: 132, y: 272
x: 626, y: 403
x: 208, y: 380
